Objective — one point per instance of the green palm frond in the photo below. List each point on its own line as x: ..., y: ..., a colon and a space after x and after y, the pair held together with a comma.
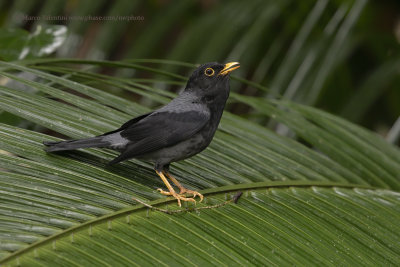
x: 330, y: 197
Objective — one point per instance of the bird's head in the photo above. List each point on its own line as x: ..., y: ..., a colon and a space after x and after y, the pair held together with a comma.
x: 211, y: 79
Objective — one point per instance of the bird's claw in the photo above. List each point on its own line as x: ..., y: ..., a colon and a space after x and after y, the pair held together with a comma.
x: 191, y: 192
x: 181, y: 195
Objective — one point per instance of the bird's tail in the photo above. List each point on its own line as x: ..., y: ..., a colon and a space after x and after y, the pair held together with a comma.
x: 97, y: 141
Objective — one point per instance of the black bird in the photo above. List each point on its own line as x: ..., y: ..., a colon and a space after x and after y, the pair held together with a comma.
x: 176, y: 131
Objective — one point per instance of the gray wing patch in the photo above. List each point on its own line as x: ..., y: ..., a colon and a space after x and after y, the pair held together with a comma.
x: 161, y: 129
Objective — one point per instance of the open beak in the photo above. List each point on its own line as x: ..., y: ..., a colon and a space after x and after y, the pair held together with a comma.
x: 229, y: 67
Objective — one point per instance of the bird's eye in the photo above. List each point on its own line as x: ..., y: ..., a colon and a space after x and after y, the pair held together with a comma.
x: 209, y: 72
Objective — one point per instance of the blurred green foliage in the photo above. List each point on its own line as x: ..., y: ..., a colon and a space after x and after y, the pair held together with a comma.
x: 341, y: 56
x: 17, y: 44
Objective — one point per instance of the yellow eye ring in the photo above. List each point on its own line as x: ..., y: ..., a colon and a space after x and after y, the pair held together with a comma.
x: 209, y: 72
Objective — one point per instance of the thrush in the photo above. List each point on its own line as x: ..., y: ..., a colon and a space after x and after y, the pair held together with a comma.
x: 174, y: 132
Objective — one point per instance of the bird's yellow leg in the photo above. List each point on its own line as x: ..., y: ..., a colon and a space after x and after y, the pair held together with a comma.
x: 183, y: 190
x: 172, y: 192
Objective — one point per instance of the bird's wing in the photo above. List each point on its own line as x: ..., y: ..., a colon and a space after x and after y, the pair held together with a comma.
x: 159, y: 130
x: 128, y: 124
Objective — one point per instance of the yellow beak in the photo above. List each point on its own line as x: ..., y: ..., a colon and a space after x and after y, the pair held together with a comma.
x: 229, y: 67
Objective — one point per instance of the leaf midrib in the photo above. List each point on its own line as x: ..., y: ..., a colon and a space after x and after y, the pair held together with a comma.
x: 163, y: 201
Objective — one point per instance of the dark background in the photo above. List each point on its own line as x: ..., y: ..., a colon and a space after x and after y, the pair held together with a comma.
x: 340, y: 56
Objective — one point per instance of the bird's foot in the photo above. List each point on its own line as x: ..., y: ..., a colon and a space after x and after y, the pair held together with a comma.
x: 178, y: 197
x: 191, y: 192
